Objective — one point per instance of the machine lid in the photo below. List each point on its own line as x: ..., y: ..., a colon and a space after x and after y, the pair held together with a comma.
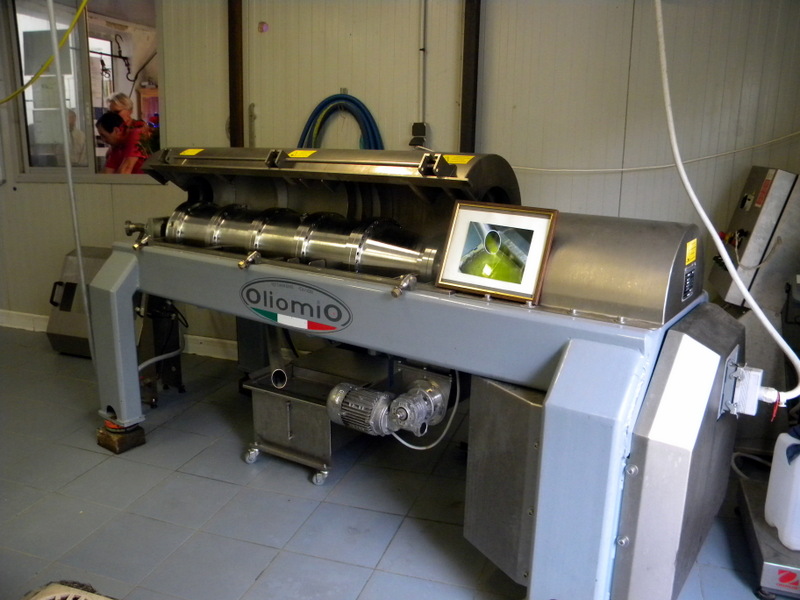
x: 486, y: 177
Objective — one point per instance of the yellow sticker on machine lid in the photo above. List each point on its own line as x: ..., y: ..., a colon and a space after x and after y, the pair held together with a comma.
x: 691, y: 251
x: 458, y: 159
x: 301, y: 153
x: 191, y: 151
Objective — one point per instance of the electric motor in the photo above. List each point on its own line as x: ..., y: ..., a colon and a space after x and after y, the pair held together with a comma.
x: 380, y: 413
x: 361, y: 409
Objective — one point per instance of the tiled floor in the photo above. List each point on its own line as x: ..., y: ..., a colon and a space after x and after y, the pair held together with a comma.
x: 185, y: 518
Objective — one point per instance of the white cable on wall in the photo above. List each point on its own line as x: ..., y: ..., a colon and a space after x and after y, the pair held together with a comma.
x: 768, y: 394
x: 659, y: 167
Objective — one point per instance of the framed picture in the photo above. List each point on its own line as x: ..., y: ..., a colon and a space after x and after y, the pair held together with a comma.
x: 497, y: 249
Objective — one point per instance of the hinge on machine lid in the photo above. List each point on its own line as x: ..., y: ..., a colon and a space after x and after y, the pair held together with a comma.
x: 435, y: 164
x: 275, y: 158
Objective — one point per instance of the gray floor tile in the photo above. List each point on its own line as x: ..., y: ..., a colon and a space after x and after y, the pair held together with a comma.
x: 692, y: 590
x: 85, y: 437
x: 54, y: 525
x: 209, y: 567
x: 170, y: 406
x: 390, y: 586
x: 140, y: 593
x: 726, y: 547
x: 61, y: 389
x: 441, y: 499
x: 453, y: 462
x: 223, y: 460
x: 493, y: 581
x: 16, y: 497
x: 48, y: 466
x: 151, y: 549
x: 169, y: 448
x: 287, y: 477
x: 718, y: 583
x: 435, y: 551
x: 43, y: 421
x: 375, y: 488
x: 16, y: 570
x: 351, y: 535
x: 185, y: 500
x: 262, y: 517
x: 230, y: 419
x: 115, y: 482
x: 388, y: 452
x: 127, y: 548
x: 301, y: 577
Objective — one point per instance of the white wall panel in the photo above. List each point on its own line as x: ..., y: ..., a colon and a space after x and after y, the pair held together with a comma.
x: 575, y: 85
x: 313, y: 49
x: 36, y: 230
x: 734, y: 72
x: 553, y: 93
x: 193, y: 49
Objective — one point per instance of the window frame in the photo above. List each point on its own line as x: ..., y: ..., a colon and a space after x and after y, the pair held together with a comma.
x: 17, y: 146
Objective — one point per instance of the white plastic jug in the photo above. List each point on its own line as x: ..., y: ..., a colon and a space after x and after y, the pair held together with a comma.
x: 782, y: 509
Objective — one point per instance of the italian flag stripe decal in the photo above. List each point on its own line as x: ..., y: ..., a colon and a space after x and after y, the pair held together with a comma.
x: 294, y: 321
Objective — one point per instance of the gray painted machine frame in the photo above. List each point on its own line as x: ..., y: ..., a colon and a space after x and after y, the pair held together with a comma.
x: 613, y: 291
x: 595, y: 374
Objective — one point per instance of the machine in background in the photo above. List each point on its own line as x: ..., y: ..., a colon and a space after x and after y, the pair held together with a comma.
x: 600, y: 425
x: 67, y: 328
x: 763, y: 243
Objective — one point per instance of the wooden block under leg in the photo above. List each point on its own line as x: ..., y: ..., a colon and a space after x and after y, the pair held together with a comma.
x: 122, y: 440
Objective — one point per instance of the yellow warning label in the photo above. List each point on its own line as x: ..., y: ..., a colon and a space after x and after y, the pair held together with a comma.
x: 301, y: 153
x: 191, y: 151
x: 458, y: 159
x: 691, y: 251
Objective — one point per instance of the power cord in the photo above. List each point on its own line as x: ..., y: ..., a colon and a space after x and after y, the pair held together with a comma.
x: 446, y: 428
x: 768, y: 395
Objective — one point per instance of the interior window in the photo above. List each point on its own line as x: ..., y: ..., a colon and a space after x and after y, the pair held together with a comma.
x: 110, y: 51
x: 42, y: 117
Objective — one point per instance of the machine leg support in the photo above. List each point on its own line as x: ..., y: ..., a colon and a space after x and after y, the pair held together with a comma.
x: 120, y: 439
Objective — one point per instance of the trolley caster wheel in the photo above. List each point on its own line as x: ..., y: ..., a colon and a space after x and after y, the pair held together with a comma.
x: 251, y: 455
x: 763, y: 594
x: 319, y: 477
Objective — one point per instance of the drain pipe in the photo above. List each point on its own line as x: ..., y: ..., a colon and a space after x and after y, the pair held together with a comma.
x: 469, y: 74
x: 235, y: 74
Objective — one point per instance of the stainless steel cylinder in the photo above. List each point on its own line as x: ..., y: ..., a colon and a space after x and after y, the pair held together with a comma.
x: 380, y: 247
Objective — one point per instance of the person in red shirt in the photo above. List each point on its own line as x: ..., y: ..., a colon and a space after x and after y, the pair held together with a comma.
x: 125, y: 154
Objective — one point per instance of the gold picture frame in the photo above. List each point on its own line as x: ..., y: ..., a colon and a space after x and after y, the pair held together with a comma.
x: 497, y: 249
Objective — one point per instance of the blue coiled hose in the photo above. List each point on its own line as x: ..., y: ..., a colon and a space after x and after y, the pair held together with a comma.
x: 312, y: 132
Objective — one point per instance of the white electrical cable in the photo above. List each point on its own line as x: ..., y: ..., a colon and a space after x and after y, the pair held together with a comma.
x: 161, y: 357
x: 68, y: 164
x: 446, y: 428
x: 673, y: 139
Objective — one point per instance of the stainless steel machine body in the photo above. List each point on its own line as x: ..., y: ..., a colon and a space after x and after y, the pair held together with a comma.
x: 564, y: 394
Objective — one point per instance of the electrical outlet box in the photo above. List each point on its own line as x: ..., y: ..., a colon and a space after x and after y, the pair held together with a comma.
x: 748, y: 387
x: 419, y: 132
